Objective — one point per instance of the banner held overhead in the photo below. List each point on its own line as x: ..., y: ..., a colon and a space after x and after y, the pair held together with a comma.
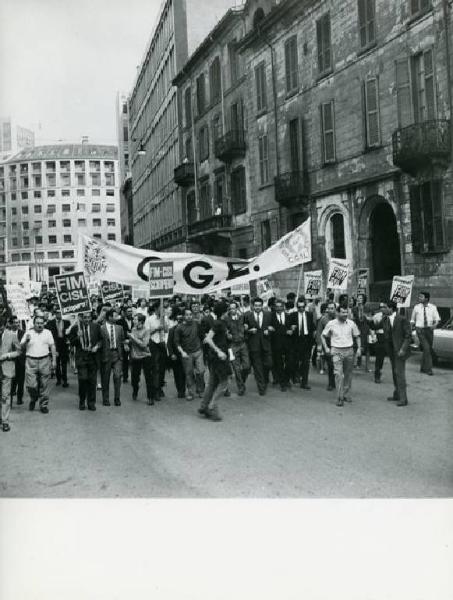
x: 72, y: 293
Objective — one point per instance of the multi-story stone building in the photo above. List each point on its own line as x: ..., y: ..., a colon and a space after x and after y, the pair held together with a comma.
x: 154, y: 118
x: 349, y: 119
x: 51, y: 194
x: 213, y: 169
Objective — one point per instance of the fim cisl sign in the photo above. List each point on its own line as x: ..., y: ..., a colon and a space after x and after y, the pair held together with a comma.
x: 72, y: 293
x: 161, y: 279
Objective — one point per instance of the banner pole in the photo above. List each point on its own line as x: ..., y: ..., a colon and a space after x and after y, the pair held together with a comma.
x: 299, y: 282
x: 162, y: 320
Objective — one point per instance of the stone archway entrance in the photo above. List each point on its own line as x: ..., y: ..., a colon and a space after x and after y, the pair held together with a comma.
x: 384, y: 245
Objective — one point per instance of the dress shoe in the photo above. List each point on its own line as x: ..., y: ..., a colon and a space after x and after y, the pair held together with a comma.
x: 241, y: 392
x: 32, y: 405
x: 305, y: 387
x: 150, y: 402
x: 91, y: 407
x: 203, y: 411
x: 58, y: 383
x: 161, y: 394
x: 117, y: 402
x: 227, y: 393
x: 181, y: 395
x: 347, y: 399
x: 189, y: 397
x: 5, y: 427
x: 81, y: 406
x: 401, y: 404
x: 106, y: 403
x: 392, y: 399
x: 65, y: 384
x: 330, y: 388
x: 377, y: 380
x: 283, y: 388
x: 213, y: 414
x: 340, y: 402
x: 134, y: 397
x: 262, y: 392
x: 44, y: 410
x: 429, y: 373
x: 19, y: 401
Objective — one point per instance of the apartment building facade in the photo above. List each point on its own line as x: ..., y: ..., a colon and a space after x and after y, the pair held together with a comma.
x: 349, y: 108
x: 51, y: 193
x: 213, y: 170
x: 159, y: 220
x: 125, y: 177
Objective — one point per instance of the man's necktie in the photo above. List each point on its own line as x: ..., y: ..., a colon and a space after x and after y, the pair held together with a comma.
x: 425, y: 318
x: 112, y: 338
x: 86, y: 341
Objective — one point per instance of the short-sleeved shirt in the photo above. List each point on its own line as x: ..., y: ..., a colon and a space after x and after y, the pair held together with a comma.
x: 40, y: 343
x: 341, y: 334
x: 418, y: 315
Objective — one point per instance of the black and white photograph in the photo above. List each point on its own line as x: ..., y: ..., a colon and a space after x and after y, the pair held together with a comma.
x: 226, y: 299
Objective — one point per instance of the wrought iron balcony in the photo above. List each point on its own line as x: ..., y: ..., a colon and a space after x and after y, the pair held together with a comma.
x: 421, y: 144
x: 230, y: 146
x: 211, y: 225
x: 290, y: 189
x: 184, y: 174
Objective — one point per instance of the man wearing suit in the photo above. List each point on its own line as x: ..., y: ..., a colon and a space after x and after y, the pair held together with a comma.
x: 126, y: 323
x: 9, y: 351
x: 257, y: 324
x: 397, y: 334
x: 58, y: 328
x: 112, y: 346
x: 85, y: 338
x: 281, y: 346
x: 303, y: 327
x: 19, y: 377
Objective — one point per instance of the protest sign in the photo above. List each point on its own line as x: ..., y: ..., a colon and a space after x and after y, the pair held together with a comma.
x: 17, y: 296
x: 140, y: 291
x: 312, y: 284
x: 362, y: 281
x: 72, y: 293
x: 35, y: 289
x: 338, y: 274
x: 402, y: 290
x: 161, y: 279
x: 18, y: 276
x: 241, y: 289
x: 111, y: 291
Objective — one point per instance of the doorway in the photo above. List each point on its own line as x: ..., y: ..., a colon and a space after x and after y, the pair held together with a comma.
x: 385, y: 250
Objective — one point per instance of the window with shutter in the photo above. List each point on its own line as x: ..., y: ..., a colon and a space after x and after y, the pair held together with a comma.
x: 188, y: 106
x: 328, y: 131
x: 263, y: 159
x: 291, y: 64
x: 337, y: 235
x: 404, y: 92
x: 424, y: 86
x: 419, y: 6
x: 214, y: 80
x: 416, y: 222
x: 260, y: 83
x: 238, y: 191
x: 427, y: 217
x: 201, y: 94
x: 366, y: 12
x: 373, y: 134
x: 324, y: 45
x: 205, y: 201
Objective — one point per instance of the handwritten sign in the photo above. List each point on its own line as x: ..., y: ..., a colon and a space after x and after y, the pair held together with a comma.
x: 161, y: 279
x: 72, y: 293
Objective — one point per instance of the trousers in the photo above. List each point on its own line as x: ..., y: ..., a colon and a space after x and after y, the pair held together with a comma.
x: 87, y: 376
x: 194, y: 371
x: 138, y: 365
x: 240, y: 364
x: 426, y: 338
x: 343, y: 366
x: 6, y: 397
x: 113, y: 363
x: 37, y: 376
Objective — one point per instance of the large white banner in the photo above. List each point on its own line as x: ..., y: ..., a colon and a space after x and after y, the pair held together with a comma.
x: 194, y: 273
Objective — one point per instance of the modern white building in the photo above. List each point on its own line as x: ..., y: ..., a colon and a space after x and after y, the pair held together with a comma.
x: 48, y: 194
x: 13, y: 137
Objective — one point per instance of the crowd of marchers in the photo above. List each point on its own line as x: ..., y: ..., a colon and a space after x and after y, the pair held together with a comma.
x: 207, y: 344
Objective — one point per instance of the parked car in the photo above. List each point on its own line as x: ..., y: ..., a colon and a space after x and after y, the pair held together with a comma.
x: 443, y: 341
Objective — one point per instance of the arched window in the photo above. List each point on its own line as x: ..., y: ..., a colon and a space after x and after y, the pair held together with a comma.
x: 338, y: 249
x: 258, y: 17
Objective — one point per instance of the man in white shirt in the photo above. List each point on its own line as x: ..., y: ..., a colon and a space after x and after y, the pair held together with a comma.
x: 39, y: 344
x: 425, y: 319
x: 342, y: 333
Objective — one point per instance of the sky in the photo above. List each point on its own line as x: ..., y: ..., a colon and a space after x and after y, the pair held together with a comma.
x: 63, y: 61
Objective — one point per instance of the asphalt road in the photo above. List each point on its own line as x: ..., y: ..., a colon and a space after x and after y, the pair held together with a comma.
x: 296, y: 444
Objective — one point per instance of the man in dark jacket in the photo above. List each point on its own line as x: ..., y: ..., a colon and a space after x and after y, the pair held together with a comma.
x: 175, y: 356
x: 59, y: 327
x: 126, y: 321
x: 303, y: 327
x: 85, y: 338
x: 257, y: 324
x: 281, y: 346
x: 397, y: 334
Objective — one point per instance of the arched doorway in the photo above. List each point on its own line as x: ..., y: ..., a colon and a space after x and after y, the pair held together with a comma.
x: 385, y: 250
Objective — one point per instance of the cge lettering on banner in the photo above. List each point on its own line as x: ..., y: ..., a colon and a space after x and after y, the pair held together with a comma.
x: 161, y: 279
x: 72, y: 293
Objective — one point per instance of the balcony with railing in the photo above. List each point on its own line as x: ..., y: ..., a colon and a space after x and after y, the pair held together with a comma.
x: 230, y: 146
x: 422, y: 144
x: 184, y: 174
x: 290, y: 189
x: 211, y: 224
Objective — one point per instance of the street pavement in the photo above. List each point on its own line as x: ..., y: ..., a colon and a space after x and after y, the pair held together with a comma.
x: 295, y: 445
